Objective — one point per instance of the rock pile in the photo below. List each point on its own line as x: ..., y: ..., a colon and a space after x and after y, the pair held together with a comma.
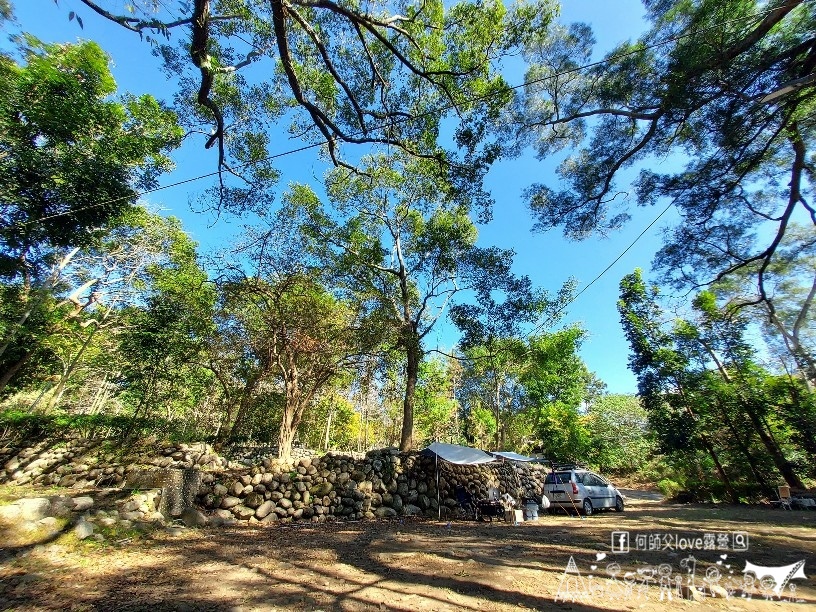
x: 52, y: 513
x: 80, y: 463
x: 379, y: 484
x: 382, y: 484
x: 531, y: 478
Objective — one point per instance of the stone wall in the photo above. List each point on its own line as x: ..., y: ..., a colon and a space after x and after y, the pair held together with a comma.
x: 202, y: 487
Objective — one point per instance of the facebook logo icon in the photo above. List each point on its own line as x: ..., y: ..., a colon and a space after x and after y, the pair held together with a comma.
x: 620, y: 541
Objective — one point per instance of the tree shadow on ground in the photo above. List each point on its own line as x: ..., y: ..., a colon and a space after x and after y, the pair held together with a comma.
x: 334, y: 566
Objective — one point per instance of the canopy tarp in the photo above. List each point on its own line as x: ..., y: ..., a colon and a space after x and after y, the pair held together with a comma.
x: 463, y: 455
x: 511, y: 456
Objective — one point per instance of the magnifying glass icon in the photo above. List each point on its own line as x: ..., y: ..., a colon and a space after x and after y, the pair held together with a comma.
x: 740, y: 541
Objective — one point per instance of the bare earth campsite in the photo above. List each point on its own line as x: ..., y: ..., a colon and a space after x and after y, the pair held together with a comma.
x: 412, y: 564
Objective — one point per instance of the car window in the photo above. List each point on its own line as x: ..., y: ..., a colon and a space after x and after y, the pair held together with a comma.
x: 557, y: 478
x: 601, y: 480
x: 589, y: 480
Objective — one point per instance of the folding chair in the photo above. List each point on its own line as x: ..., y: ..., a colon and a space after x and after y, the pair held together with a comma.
x: 784, y: 497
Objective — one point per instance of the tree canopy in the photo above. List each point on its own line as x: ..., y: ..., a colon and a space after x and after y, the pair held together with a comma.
x: 381, y: 74
x: 71, y: 158
x: 725, y: 91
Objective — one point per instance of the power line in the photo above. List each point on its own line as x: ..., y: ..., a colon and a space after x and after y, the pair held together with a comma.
x: 540, y: 326
x: 396, y: 122
x: 544, y: 324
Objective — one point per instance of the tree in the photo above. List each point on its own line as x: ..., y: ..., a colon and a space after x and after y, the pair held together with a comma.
x: 71, y: 159
x: 702, y: 388
x: 659, y: 369
x: 790, y: 284
x: 619, y: 432
x: 383, y: 75
x: 491, y: 325
x: 557, y: 386
x: 162, y: 346
x: 293, y: 335
x: 436, y: 407
x: 726, y: 86
x: 392, y: 243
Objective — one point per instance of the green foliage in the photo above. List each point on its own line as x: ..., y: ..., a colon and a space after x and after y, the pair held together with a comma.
x: 70, y: 158
x: 380, y: 74
x: 436, y: 409
x: 619, y: 432
x: 717, y: 415
x: 699, y: 87
x: 22, y: 426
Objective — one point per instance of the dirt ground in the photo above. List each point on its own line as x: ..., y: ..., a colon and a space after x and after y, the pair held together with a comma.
x: 427, y: 565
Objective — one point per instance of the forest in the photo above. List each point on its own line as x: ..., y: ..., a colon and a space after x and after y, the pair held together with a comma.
x: 315, y: 328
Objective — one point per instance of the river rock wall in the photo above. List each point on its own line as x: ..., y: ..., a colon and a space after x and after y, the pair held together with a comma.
x: 203, y: 487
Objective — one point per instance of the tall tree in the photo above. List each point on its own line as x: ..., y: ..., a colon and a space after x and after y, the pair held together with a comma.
x: 557, y: 388
x: 660, y: 371
x: 727, y: 88
x: 492, y: 324
x: 71, y: 159
x: 163, y: 342
x: 296, y: 337
x: 391, y: 240
x: 701, y: 374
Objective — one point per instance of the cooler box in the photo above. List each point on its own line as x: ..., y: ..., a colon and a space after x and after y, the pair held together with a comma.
x: 531, y: 511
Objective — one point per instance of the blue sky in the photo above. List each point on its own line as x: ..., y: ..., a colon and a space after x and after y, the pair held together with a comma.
x: 548, y: 259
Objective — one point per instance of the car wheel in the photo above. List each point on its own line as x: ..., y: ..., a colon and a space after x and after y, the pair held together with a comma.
x: 618, y: 504
x: 587, y: 507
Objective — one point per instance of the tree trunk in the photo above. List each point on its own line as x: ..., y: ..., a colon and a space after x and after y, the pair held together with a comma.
x: 414, y: 356
x: 14, y: 369
x: 729, y: 487
x: 292, y: 413
x: 286, y: 437
x: 60, y: 389
x: 782, y: 464
x: 756, y: 469
x: 326, y: 438
x: 497, y: 404
x: 709, y: 447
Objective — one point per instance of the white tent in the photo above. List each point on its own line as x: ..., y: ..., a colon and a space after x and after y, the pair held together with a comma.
x: 511, y: 456
x: 453, y: 453
x: 462, y: 455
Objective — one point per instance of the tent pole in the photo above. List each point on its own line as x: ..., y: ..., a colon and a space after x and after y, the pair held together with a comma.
x: 438, y: 507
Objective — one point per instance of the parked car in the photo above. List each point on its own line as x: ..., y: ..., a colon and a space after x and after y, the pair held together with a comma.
x: 575, y: 489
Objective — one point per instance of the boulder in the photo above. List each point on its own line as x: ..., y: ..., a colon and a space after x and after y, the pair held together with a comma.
x: 385, y: 512
x: 34, y: 508
x: 83, y: 529
x: 229, y: 502
x: 411, y: 510
x: 243, y: 513
x: 193, y: 518
x: 264, y: 510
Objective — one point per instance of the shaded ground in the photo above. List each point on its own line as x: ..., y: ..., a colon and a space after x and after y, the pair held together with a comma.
x: 415, y: 565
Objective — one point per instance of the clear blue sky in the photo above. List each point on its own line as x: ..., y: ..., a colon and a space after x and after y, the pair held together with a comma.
x: 546, y: 258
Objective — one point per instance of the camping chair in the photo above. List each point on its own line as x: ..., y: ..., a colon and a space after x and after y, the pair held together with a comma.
x: 784, y: 498
x: 465, y: 500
